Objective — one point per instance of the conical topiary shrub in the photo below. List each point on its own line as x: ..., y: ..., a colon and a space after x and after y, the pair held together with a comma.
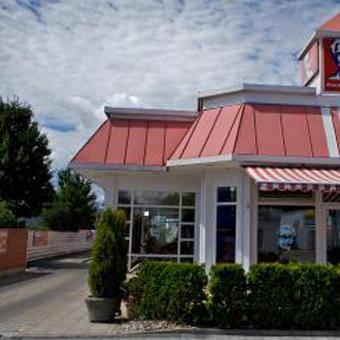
x: 108, y: 266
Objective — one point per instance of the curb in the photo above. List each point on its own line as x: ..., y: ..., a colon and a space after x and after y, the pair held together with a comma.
x: 194, y: 331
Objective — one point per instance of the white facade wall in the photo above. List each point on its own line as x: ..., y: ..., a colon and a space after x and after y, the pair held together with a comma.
x: 204, y: 181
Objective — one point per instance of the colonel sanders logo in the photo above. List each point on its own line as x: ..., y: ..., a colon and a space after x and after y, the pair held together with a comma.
x: 335, y: 53
x: 331, y: 51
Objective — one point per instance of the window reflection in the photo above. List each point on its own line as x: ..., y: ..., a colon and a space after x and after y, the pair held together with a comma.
x: 286, y: 233
x: 155, y: 231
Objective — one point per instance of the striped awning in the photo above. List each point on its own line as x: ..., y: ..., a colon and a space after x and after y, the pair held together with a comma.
x: 295, y: 179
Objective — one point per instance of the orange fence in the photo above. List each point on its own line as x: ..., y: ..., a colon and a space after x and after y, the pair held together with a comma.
x: 44, y: 244
x: 13, y: 249
x: 17, y: 246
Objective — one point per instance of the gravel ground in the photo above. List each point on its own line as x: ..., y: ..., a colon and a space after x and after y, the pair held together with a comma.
x: 139, y: 326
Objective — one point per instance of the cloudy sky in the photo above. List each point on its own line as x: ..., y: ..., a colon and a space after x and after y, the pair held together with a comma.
x: 68, y: 58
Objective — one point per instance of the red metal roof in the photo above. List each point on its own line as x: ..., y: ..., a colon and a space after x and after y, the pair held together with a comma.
x: 332, y: 25
x: 253, y: 129
x: 242, y: 129
x: 132, y: 142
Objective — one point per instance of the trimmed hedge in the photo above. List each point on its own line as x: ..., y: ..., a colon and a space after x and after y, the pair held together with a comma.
x: 270, y: 299
x: 270, y: 296
x: 227, y: 291
x: 317, y: 297
x: 169, y: 291
x: 303, y: 296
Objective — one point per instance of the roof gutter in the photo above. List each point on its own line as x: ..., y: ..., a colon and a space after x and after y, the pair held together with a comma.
x: 115, y: 167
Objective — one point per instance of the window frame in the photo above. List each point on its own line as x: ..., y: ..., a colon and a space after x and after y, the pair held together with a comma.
x: 178, y: 256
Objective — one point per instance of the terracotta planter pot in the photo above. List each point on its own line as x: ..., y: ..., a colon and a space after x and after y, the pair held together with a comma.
x: 102, y: 309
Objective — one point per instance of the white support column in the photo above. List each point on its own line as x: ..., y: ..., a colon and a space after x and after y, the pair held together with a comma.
x: 202, y: 218
x: 254, y: 222
x: 110, y: 192
x: 320, y: 230
x: 245, y: 226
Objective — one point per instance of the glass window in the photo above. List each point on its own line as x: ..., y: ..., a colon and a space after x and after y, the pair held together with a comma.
x: 226, y: 224
x: 188, y: 215
x: 187, y: 247
x: 156, y: 198
x: 226, y: 194
x: 188, y: 199
x: 162, y: 226
x: 226, y: 218
x: 155, y: 231
x: 127, y: 211
x: 187, y: 231
x: 333, y: 236
x: 124, y: 197
x: 286, y: 234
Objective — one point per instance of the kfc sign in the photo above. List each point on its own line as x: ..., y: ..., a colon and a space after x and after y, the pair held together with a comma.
x: 331, y: 52
x: 310, y: 64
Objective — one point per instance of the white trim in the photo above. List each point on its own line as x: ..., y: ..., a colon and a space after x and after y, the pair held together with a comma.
x: 318, y: 35
x: 149, y: 114
x: 320, y: 230
x: 307, y: 46
x: 256, y: 159
x: 199, y: 160
x: 114, y: 167
x: 254, y: 222
x: 202, y: 218
x: 263, y: 88
x: 329, y: 131
x: 244, y: 228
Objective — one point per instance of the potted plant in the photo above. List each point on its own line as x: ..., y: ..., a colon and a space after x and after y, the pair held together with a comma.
x: 108, y: 267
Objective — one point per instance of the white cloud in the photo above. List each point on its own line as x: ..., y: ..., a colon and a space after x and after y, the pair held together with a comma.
x: 69, y: 58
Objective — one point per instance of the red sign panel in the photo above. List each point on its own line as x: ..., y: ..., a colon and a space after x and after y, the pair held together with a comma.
x: 310, y: 64
x: 331, y: 51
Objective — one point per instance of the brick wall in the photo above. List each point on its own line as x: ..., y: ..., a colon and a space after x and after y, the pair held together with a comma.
x: 13, y: 249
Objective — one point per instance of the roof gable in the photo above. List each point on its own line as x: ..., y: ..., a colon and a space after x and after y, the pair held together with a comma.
x: 332, y: 25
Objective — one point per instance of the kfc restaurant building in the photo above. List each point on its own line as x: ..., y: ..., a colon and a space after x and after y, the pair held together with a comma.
x: 253, y: 175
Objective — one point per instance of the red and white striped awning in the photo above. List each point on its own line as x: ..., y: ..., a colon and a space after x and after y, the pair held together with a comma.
x: 294, y: 179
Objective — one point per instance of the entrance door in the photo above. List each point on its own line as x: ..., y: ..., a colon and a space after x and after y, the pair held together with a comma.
x: 333, y: 235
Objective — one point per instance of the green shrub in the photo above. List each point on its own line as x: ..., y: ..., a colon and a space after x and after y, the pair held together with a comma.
x: 227, y: 292
x: 7, y: 218
x: 271, y: 303
x: 317, y: 294
x: 108, y: 262
x: 170, y: 291
x: 304, y: 296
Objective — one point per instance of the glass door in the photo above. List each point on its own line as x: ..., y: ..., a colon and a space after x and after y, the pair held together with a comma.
x: 333, y: 235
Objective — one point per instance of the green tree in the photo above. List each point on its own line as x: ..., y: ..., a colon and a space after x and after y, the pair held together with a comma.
x: 108, y: 262
x: 24, y: 160
x: 73, y: 206
x: 7, y: 218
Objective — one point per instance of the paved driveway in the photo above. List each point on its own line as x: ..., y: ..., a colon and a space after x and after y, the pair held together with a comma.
x: 48, y: 300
